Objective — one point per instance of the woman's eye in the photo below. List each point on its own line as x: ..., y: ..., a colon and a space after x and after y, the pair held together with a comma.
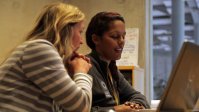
x: 114, y: 36
x: 80, y: 32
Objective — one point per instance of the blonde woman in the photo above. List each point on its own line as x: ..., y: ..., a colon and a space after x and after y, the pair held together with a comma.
x: 35, y: 77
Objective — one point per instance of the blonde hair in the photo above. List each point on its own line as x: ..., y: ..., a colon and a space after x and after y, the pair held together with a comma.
x: 55, y: 25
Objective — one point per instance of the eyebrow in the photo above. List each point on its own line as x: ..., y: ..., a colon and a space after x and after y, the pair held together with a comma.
x: 124, y: 33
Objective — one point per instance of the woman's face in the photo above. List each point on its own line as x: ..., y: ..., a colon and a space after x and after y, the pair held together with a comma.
x: 77, y: 38
x: 111, y: 44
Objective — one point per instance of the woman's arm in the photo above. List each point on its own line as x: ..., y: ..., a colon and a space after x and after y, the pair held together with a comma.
x: 44, y: 67
x: 127, y: 93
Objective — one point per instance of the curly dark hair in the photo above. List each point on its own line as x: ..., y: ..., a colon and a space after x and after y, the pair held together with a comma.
x: 99, y: 24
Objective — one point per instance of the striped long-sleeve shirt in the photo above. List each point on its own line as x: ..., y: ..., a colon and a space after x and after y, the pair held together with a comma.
x: 34, y: 79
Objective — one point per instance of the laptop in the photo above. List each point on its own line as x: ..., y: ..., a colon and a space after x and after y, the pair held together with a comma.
x: 182, y: 90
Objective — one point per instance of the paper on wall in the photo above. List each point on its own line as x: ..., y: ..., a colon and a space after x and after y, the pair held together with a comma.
x: 130, y: 51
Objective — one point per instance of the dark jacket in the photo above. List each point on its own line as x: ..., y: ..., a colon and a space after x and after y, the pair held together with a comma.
x: 102, y: 93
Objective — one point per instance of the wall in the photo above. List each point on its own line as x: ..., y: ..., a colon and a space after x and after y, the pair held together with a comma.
x: 17, y: 17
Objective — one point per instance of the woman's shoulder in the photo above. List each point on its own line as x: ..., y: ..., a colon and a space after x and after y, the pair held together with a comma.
x: 37, y: 44
x: 38, y: 41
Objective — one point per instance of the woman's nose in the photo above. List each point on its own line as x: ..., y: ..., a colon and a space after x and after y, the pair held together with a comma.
x: 81, y: 40
x: 121, y: 40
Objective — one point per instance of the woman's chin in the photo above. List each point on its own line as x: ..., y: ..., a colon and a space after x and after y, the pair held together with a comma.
x: 117, y: 58
x: 75, y: 49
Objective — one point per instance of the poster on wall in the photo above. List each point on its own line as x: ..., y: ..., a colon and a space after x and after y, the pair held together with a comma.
x: 130, y: 51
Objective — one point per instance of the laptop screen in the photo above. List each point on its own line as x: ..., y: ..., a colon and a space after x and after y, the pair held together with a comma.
x: 182, y: 89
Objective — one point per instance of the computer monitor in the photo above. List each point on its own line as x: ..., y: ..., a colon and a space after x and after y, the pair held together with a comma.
x: 182, y: 90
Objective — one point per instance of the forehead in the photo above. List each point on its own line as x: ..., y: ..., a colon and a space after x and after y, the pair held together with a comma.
x: 117, y: 25
x: 80, y: 24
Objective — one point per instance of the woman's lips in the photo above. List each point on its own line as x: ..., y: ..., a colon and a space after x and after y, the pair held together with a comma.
x: 118, y: 49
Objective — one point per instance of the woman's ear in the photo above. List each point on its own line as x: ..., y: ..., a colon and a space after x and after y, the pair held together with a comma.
x: 95, y: 39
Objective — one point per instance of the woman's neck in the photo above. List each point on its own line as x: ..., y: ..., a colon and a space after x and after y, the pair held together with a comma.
x: 104, y: 59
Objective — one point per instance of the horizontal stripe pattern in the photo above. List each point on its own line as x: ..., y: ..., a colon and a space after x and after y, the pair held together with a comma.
x: 34, y: 79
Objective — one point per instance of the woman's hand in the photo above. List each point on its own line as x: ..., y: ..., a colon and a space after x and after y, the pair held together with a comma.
x: 82, y: 56
x: 134, y: 105
x: 78, y: 63
x: 124, y: 108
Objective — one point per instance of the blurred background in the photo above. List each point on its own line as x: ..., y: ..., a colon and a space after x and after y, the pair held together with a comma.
x: 163, y: 26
